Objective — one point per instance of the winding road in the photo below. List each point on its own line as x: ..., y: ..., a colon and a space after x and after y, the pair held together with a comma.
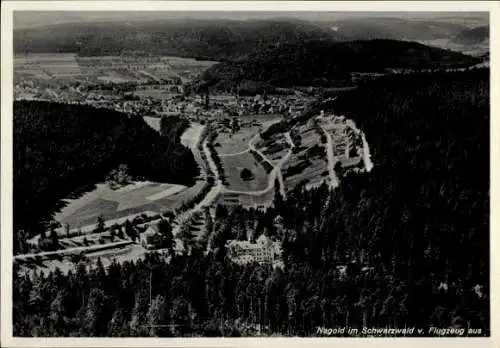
x: 74, y: 250
x: 273, y: 175
x: 211, y: 196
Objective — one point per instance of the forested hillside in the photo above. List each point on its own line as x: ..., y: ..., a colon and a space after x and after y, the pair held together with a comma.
x: 61, y: 148
x: 473, y: 36
x: 406, y: 244
x: 219, y: 40
x: 395, y: 28
x: 327, y: 63
x: 204, y: 39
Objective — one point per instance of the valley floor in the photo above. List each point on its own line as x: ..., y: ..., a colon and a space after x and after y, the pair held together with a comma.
x: 272, y: 161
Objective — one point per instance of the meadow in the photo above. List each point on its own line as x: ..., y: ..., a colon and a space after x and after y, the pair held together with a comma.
x: 127, y: 201
x: 233, y: 165
x: 153, y: 122
x: 226, y: 143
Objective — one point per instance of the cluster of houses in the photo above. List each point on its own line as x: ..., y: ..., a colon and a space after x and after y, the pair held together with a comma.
x: 200, y: 106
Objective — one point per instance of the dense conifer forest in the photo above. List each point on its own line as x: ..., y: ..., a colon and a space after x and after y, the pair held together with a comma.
x: 61, y: 149
x: 327, y: 63
x: 218, y: 40
x: 406, y: 244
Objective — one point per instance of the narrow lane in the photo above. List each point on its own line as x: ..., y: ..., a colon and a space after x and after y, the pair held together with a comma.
x: 73, y: 250
x: 329, y: 152
x: 273, y: 175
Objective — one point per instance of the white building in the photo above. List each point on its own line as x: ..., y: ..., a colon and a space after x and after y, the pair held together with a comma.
x: 263, y: 251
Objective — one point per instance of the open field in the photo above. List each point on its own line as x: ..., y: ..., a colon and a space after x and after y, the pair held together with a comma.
x: 153, y: 122
x: 233, y: 165
x: 112, y: 204
x: 47, y: 65
x: 226, y: 143
x: 108, y: 69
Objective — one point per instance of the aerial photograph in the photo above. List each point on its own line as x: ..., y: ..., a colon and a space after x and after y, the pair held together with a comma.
x: 251, y: 174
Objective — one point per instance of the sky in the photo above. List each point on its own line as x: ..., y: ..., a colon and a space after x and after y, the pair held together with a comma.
x: 31, y: 19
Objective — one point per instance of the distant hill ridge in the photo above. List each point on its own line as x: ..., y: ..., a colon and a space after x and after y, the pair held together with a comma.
x: 204, y: 39
x: 220, y: 40
x: 395, y: 28
x: 473, y: 36
x: 323, y: 62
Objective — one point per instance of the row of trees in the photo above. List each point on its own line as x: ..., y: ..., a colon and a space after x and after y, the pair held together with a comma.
x: 215, y: 156
x: 191, y: 203
x: 258, y: 157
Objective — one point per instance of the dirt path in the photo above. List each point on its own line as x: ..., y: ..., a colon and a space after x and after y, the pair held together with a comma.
x: 73, y: 250
x: 282, y: 161
x: 252, y: 147
x: 273, y: 175
x: 234, y: 154
x: 366, y: 154
x: 366, y: 150
x: 329, y: 152
x: 150, y: 75
x: 214, y: 192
